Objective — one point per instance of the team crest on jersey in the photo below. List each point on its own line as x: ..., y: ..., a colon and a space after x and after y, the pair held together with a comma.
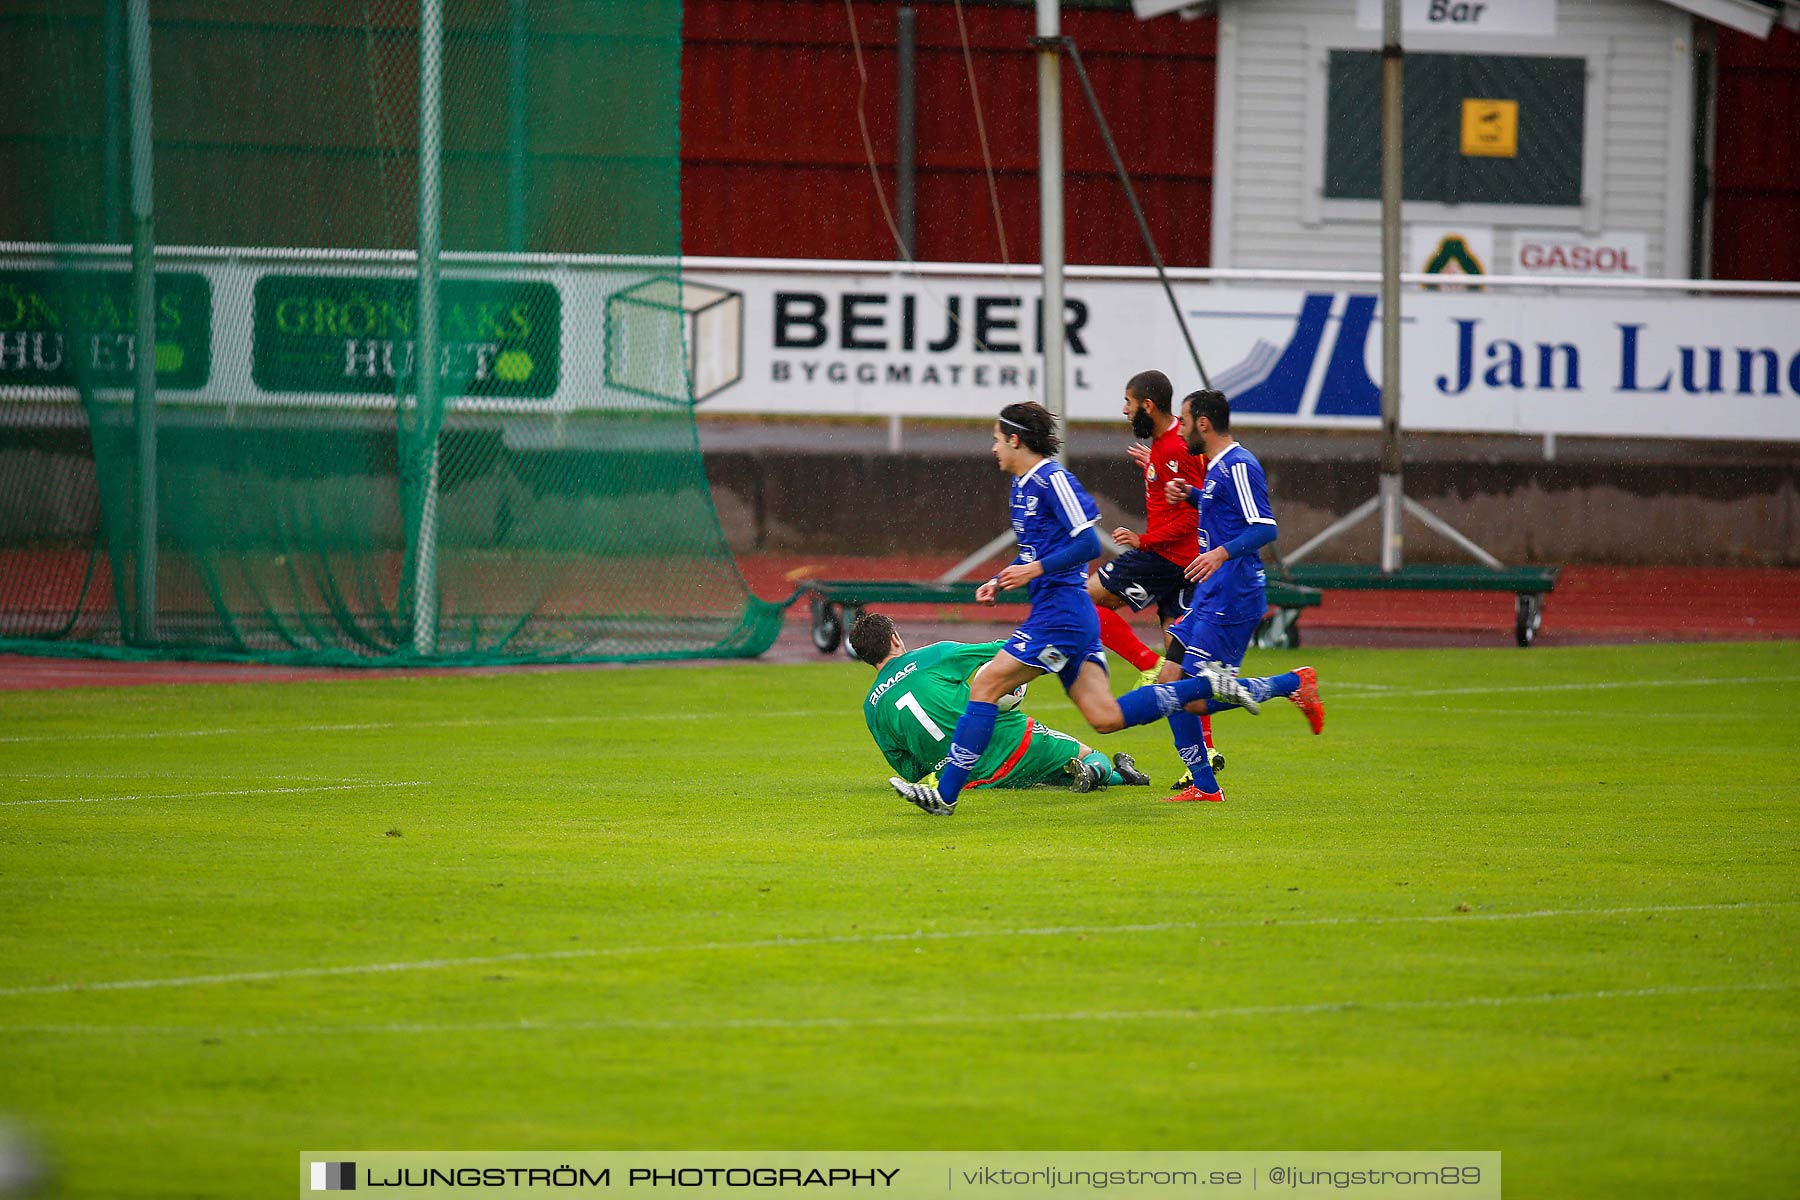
x: 1031, y: 505
x: 1150, y: 473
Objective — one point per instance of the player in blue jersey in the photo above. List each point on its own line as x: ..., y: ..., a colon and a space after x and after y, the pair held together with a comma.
x: 1236, y: 522
x: 1053, y: 519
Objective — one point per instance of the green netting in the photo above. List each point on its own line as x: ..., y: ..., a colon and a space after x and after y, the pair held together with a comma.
x: 312, y: 502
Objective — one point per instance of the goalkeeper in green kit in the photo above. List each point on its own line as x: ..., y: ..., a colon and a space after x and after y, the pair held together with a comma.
x: 917, y: 699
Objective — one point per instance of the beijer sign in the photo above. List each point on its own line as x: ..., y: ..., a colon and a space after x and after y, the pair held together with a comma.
x: 933, y: 334
x: 1475, y: 362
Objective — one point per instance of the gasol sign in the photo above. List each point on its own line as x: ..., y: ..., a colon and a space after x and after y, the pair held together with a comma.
x: 68, y: 329
x: 355, y: 334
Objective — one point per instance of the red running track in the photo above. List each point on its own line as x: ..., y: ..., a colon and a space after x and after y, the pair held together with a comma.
x: 1590, y: 604
x: 1625, y: 603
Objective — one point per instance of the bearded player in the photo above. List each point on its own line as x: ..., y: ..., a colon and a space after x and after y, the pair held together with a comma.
x: 1150, y: 570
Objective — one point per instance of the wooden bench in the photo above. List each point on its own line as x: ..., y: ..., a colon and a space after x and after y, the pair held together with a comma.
x: 836, y: 603
x: 1530, y: 585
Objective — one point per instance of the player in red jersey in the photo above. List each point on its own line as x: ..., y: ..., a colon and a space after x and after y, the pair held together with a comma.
x: 1151, y: 569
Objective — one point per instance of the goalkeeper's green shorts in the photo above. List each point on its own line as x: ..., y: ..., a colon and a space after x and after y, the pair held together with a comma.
x: 1046, y: 754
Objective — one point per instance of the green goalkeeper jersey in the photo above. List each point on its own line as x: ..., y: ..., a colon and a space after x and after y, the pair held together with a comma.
x: 916, y: 700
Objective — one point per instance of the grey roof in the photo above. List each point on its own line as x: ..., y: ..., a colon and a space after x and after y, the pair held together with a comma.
x: 1754, y: 17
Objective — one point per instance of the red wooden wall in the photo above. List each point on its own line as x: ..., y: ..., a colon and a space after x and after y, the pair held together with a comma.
x: 1756, y: 160
x: 773, y: 161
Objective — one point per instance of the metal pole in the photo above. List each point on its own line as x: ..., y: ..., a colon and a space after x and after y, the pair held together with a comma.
x: 143, y: 273
x: 112, y: 216
x: 1050, y: 203
x: 1391, y: 492
x: 906, y: 122
x: 516, y: 134
x: 425, y: 360
x: 906, y: 158
x: 1137, y: 210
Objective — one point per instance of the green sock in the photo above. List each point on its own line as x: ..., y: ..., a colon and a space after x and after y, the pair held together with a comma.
x: 1094, y: 758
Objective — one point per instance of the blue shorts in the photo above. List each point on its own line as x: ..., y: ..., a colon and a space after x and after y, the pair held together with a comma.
x: 1058, y: 648
x: 1199, y: 636
x: 1140, y: 576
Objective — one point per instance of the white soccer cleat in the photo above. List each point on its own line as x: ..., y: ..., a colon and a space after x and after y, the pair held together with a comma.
x: 926, y: 798
x: 1227, y: 688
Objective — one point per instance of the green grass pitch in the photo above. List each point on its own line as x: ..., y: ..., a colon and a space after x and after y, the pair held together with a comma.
x: 1543, y: 902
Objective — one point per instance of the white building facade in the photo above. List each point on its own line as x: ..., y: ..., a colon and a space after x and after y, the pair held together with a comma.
x: 1594, y: 103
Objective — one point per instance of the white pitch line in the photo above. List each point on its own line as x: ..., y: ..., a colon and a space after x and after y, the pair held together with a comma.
x: 1385, y: 692
x: 368, y: 726
x: 1682, y: 714
x: 161, y: 776
x: 283, y: 791
x: 732, y: 1024
x: 855, y: 939
x: 1397, y: 694
x: 1593, y: 686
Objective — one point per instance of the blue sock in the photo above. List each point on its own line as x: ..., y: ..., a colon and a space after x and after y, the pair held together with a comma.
x: 1264, y: 688
x: 1284, y: 684
x: 1140, y: 706
x: 974, y: 731
x: 1190, y: 744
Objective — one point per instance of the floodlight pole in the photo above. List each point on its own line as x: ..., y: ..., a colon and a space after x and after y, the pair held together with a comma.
x: 518, y: 32
x: 1050, y: 204
x: 425, y: 359
x: 1390, y: 503
x: 143, y: 272
x: 1052, y: 325
x: 906, y: 159
x: 111, y: 141
x: 906, y: 129
x: 1391, y: 491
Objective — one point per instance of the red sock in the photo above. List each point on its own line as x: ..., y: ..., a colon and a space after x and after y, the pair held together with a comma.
x: 1116, y: 635
x: 1206, y: 728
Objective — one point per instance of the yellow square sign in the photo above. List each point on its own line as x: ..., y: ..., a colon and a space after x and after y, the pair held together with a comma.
x: 1490, y: 128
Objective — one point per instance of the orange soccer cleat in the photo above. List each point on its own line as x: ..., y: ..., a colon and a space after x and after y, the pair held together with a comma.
x: 1307, y: 699
x: 1190, y: 792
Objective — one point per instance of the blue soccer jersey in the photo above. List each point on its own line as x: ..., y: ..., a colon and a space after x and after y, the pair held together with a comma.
x: 1050, y: 509
x: 1235, y: 497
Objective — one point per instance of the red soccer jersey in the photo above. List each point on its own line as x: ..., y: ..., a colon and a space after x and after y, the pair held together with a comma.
x: 1172, y: 527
